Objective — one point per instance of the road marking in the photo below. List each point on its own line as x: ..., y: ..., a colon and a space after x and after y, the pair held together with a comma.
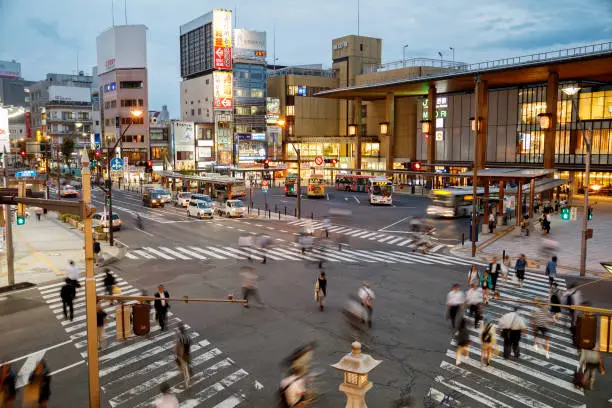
x: 436, y: 248
x: 231, y: 402
x: 191, y: 253
x: 27, y: 367
x: 122, y: 243
x: 356, y: 199
x: 38, y: 351
x: 207, y: 252
x: 130, y: 256
x: 78, y: 363
x: 386, y: 238
x: 174, y: 253
x: 145, y: 232
x: 395, y: 240
x: 376, y: 236
x: 368, y: 235
x: 241, y: 254
x: 158, y: 253
x: 406, y: 242
x: 395, y: 223
x: 144, y: 254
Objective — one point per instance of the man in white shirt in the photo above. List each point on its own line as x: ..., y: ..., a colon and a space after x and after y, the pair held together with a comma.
x: 73, y: 274
x: 367, y: 300
x: 512, y: 326
x: 166, y: 400
x: 326, y: 226
x: 454, y: 300
x: 474, y: 301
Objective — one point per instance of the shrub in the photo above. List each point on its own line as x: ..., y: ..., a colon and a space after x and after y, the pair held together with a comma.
x: 65, y: 217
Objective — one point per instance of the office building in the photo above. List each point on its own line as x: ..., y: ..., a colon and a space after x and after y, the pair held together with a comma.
x: 123, y: 91
x: 159, y: 138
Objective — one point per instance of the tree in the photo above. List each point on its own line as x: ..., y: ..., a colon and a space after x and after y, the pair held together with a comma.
x: 67, y: 149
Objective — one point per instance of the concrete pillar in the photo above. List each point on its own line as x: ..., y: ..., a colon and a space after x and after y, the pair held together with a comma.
x: 482, y: 93
x: 432, y: 97
x: 500, y: 204
x: 390, y: 118
x: 552, y: 96
x: 357, y: 121
x: 519, y: 204
x: 531, y: 197
x: 486, y: 200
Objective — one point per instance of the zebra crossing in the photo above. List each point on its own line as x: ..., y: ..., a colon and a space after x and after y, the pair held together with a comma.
x: 381, y: 237
x: 132, y: 370
x: 291, y: 252
x: 531, y: 380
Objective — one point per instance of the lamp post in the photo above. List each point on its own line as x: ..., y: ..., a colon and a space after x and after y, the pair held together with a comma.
x: 299, y: 180
x: 453, y: 50
x: 587, y: 169
x: 356, y: 367
x: 109, y: 186
x: 404, y: 55
x: 475, y: 121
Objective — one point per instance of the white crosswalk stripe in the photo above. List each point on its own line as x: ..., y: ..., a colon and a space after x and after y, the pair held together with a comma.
x: 132, y: 370
x: 531, y: 380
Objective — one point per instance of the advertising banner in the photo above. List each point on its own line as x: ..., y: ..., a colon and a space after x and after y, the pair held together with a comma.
x: 28, y: 124
x: 249, y: 44
x: 5, y: 143
x: 183, y: 136
x: 122, y: 47
x: 272, y: 110
x: 275, y: 141
x: 69, y: 93
x: 222, y: 82
x: 10, y: 69
x: 222, y: 33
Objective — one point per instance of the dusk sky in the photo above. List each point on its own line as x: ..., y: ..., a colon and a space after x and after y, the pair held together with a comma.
x: 46, y: 36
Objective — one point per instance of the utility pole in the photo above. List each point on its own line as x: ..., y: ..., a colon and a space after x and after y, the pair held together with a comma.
x: 476, y: 163
x: 8, y: 225
x: 299, y: 181
x: 57, y: 157
x: 585, y: 221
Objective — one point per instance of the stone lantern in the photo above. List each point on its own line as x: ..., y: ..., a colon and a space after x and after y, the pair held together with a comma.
x: 356, y: 367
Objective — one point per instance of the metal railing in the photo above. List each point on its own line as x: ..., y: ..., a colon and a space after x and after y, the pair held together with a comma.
x: 324, y: 73
x: 414, y: 63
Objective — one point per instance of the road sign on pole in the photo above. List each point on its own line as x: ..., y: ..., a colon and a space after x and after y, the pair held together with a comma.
x: 264, y: 186
x: 319, y: 160
x: 116, y: 164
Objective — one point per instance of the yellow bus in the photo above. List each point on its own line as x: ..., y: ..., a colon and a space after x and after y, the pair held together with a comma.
x: 316, y: 186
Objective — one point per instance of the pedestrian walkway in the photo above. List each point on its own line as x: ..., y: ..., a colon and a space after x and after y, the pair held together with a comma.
x: 132, y: 370
x: 291, y: 252
x: 531, y: 380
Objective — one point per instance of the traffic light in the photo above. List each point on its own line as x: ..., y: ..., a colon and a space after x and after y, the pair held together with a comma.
x: 331, y: 161
x: 565, y: 213
x: 21, y: 208
x: 266, y: 164
x: 23, y: 153
x: 97, y: 153
x: 590, y: 213
x: 416, y: 166
x: 149, y: 167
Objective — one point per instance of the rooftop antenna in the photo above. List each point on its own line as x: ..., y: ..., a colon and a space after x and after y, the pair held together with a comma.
x: 357, y: 18
x: 77, y: 62
x: 235, y: 16
x: 113, y: 11
x: 125, y: 10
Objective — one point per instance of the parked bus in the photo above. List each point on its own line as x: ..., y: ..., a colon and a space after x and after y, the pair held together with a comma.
x: 316, y: 186
x: 291, y: 185
x: 380, y: 191
x: 225, y: 188
x: 452, y: 202
x: 352, y: 182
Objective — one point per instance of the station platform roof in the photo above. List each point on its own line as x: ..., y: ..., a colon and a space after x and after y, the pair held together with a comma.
x: 510, y: 173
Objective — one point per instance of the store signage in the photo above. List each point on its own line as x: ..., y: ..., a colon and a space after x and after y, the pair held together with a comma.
x: 110, y: 87
x: 109, y: 63
x: 302, y: 91
x: 249, y: 44
x: 222, y: 33
x: 439, y: 135
x: 222, y: 83
x: 5, y: 144
x: 25, y: 173
x: 272, y: 110
x: 258, y: 136
x: 340, y: 45
x: 319, y: 160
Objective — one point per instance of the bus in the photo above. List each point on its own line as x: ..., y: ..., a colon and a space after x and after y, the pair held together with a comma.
x: 225, y: 188
x: 352, y: 182
x: 316, y: 186
x: 380, y: 191
x: 291, y: 185
x: 452, y: 202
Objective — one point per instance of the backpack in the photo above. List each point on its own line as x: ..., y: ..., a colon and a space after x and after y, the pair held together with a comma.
x: 463, y: 337
x: 486, y: 334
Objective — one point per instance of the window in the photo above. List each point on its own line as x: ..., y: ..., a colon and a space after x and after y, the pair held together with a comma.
x: 141, y: 102
x: 242, y: 110
x: 159, y: 153
x: 129, y: 103
x: 113, y: 103
x: 290, y: 110
x: 133, y: 121
x: 68, y: 116
x: 207, y: 81
x: 130, y: 84
x: 192, y: 112
x: 97, y: 123
x: 184, y: 155
x: 595, y: 105
x: 241, y: 92
x: 83, y: 115
x: 364, y: 110
x: 199, y: 111
x: 133, y: 139
x: 370, y: 149
x: 292, y: 90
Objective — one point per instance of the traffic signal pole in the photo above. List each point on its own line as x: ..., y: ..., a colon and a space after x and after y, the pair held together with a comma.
x: 585, y: 220
x: 8, y: 224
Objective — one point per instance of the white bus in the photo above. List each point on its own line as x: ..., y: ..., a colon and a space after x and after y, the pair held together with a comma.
x: 452, y: 202
x: 380, y: 191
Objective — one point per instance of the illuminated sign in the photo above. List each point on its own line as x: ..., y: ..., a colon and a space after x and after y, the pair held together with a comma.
x: 110, y: 87
x: 222, y: 83
x: 302, y: 91
x: 258, y: 136
x: 222, y: 33
x: 439, y: 135
x: 272, y: 110
x: 441, y: 103
x: 249, y: 44
x: 109, y: 63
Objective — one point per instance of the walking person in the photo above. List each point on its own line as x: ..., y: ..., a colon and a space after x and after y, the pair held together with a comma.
x: 321, y: 290
x: 38, y: 213
x: 463, y: 342
x: 96, y: 250
x: 485, y: 285
x: 8, y: 390
x: 161, y: 306
x: 543, y: 320
x: 474, y: 301
x: 366, y: 295
x: 491, y: 223
x: 73, y: 274
x: 512, y: 326
x: 555, y: 299
x: 590, y: 362
x: 68, y: 293
x: 326, y: 226
x: 100, y: 321
x: 519, y: 268
x: 488, y: 340
x: 182, y: 350
x: 454, y: 300
x: 551, y: 270
x: 495, y: 269
x: 166, y: 400
x: 109, y: 282
x: 38, y: 389
x: 473, y: 276
x: 45, y: 211
x: 249, y: 285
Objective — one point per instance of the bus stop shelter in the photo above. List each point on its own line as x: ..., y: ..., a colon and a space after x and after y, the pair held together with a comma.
x: 528, y: 182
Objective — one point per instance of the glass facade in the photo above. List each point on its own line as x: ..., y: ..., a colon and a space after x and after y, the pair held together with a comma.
x: 249, y: 98
x: 196, y: 51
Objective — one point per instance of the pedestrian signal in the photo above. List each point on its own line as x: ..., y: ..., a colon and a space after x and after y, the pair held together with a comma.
x: 590, y: 213
x: 20, y: 220
x: 565, y: 214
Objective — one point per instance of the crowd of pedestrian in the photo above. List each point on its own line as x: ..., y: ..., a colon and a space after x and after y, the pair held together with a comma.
x: 37, y: 390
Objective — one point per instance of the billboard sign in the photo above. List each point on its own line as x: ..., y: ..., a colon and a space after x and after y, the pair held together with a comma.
x: 122, y: 47
x: 222, y: 82
x: 183, y: 136
x: 222, y: 34
x: 5, y: 143
x: 69, y: 93
x: 10, y: 69
x: 249, y: 44
x: 272, y: 110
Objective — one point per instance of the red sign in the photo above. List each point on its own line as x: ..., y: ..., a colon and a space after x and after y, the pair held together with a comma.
x: 223, y: 103
x: 109, y: 63
x: 223, y: 57
x: 319, y: 160
x: 264, y: 183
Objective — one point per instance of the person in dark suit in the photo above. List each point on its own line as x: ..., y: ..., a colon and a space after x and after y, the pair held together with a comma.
x: 68, y: 293
x: 161, y: 306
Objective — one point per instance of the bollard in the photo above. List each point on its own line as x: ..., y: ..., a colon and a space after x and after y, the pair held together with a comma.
x: 285, y: 211
x: 312, y: 216
x: 269, y: 214
x: 295, y: 212
x: 275, y: 208
x: 258, y: 212
x: 279, y: 215
x: 462, y: 238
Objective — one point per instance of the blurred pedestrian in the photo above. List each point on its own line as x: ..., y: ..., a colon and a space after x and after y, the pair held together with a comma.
x: 551, y: 270
x: 249, y: 285
x: 488, y: 339
x: 39, y: 385
x: 8, y: 390
x: 495, y: 269
x: 96, y: 250
x: 590, y: 362
x: 101, y: 321
x: 246, y: 243
x: 326, y: 226
x: 555, y: 299
x: 491, y: 223
x: 263, y: 242
x: 473, y: 276
x: 45, y: 211
x: 512, y: 326
x: 543, y: 320
x: 519, y: 268
x: 109, y: 281
x: 73, y: 274
x: 366, y: 295
x: 38, y: 211
x: 321, y: 290
x: 166, y: 400
x: 486, y: 284
x: 68, y: 293
x: 454, y: 300
x: 161, y: 306
x: 463, y: 341
x: 474, y: 301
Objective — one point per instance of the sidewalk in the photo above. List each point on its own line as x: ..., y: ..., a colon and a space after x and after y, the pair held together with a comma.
x: 43, y: 249
x: 566, y: 233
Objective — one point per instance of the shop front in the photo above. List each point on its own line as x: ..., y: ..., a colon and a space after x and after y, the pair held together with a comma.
x: 251, y: 147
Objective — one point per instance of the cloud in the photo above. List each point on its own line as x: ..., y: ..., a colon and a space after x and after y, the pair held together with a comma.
x: 49, y: 31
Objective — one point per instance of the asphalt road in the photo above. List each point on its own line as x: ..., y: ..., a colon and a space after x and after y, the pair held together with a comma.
x: 238, y: 352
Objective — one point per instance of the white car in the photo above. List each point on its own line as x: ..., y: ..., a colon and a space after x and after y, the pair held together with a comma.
x: 101, y: 219
x: 202, y: 197
x: 182, y: 199
x: 199, y: 209
x: 232, y: 208
x: 165, y: 196
x: 69, y: 191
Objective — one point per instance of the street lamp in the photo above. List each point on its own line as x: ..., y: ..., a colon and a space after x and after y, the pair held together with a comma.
x: 545, y: 120
x: 570, y: 90
x: 352, y: 129
x: 453, y: 50
x: 384, y: 128
x: 404, y: 55
x: 426, y: 126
